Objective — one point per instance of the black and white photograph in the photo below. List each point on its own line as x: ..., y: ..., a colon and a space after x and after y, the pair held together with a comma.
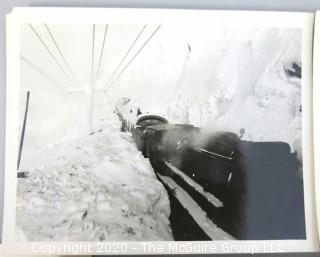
x: 160, y: 132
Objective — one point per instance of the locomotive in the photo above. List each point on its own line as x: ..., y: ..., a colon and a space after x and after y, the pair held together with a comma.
x: 258, y: 182
x: 209, y: 159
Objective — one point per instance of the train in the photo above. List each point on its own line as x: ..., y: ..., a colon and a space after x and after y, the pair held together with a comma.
x: 259, y: 183
x: 210, y: 159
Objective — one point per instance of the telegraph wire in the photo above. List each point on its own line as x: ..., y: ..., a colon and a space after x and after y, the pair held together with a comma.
x: 126, y: 54
x: 102, y: 49
x: 92, y: 79
x: 49, y: 51
x: 60, y: 52
x: 92, y: 53
x: 40, y: 71
x: 136, y: 54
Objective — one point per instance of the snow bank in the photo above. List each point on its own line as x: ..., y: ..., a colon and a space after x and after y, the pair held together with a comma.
x: 96, y: 188
x: 224, y: 79
x: 243, y: 87
x: 210, y: 76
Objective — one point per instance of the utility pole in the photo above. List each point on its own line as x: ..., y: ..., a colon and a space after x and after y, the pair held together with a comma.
x: 23, y: 129
x: 91, y: 90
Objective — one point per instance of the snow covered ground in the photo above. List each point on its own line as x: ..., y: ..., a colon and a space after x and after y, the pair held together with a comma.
x: 98, y: 187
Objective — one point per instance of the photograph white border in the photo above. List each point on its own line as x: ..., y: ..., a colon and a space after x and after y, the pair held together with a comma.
x: 316, y: 112
x: 57, y: 15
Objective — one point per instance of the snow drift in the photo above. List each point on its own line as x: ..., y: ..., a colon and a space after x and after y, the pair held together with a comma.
x: 94, y: 189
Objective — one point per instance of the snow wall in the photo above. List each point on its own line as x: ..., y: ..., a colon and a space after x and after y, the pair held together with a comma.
x: 219, y: 78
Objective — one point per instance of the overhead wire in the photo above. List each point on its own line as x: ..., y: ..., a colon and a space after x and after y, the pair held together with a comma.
x: 101, y: 52
x: 136, y: 54
x: 49, y: 51
x: 40, y: 71
x: 92, y: 76
x: 60, y: 52
x: 126, y: 54
x: 92, y: 53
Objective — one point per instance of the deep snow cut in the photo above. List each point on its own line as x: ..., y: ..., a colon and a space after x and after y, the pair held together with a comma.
x: 97, y: 188
x: 220, y: 78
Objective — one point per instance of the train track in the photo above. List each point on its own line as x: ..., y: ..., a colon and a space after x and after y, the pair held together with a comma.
x: 206, y: 212
x: 198, y: 214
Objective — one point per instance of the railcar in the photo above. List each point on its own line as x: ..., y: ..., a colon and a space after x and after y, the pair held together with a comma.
x: 213, y: 161
x: 162, y: 141
x: 139, y: 132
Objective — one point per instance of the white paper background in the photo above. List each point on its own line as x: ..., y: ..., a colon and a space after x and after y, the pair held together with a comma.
x: 6, y: 6
x: 99, y: 15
